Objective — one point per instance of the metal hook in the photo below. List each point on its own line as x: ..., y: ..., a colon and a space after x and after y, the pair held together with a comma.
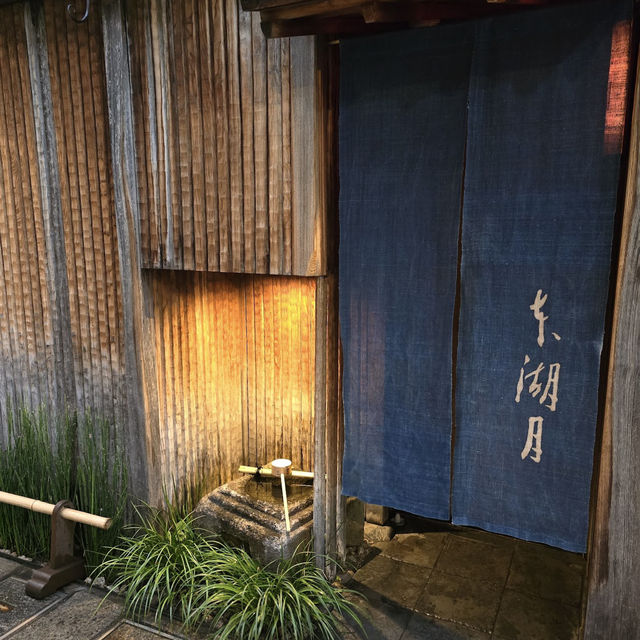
x: 71, y: 12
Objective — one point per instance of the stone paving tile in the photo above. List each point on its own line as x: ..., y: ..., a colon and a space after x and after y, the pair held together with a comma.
x: 473, y: 559
x: 487, y: 537
x: 420, y: 549
x: 7, y: 567
x: 462, y: 600
x: 16, y: 605
x: 524, y: 617
x: 423, y: 628
x: 382, y: 620
x: 76, y: 618
x: 396, y: 581
x: 131, y: 631
x: 547, y: 573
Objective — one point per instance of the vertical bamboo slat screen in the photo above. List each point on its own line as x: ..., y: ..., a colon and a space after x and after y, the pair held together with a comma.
x: 76, y: 71
x: 27, y: 374
x: 235, y: 369
x: 224, y: 173
x: 224, y: 168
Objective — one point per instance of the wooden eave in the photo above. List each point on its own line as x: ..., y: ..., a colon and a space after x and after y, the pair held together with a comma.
x: 347, y: 17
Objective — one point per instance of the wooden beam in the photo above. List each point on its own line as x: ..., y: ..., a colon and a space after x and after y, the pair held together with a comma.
x: 282, y: 18
x: 142, y: 434
x: 613, y: 589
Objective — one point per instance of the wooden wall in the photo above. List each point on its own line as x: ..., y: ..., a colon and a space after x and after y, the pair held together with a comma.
x: 226, y: 125
x: 60, y: 312
x: 235, y: 358
x: 27, y: 373
x: 79, y: 109
x: 160, y: 135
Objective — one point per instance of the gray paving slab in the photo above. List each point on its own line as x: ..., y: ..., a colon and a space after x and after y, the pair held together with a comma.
x: 527, y: 617
x: 396, y: 581
x: 547, y: 573
x: 77, y: 617
x: 384, y: 621
x: 474, y: 559
x: 126, y: 630
x: 423, y: 628
x: 7, y: 567
x: 16, y: 606
x: 461, y: 600
x: 420, y: 549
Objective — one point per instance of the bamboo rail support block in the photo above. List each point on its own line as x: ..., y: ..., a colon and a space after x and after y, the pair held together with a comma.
x: 81, y: 517
x: 64, y: 565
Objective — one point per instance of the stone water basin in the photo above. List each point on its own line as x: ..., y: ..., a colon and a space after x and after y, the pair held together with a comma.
x: 250, y: 513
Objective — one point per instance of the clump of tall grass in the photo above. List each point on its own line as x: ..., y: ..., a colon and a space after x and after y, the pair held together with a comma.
x: 167, y: 567
x: 100, y: 485
x: 54, y: 458
x: 36, y: 465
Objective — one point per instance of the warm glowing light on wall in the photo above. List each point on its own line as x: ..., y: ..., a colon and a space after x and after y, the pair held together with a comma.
x: 617, y: 88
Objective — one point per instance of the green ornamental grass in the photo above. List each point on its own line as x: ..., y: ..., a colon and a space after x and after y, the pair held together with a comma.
x: 287, y: 600
x: 61, y: 457
x: 167, y: 567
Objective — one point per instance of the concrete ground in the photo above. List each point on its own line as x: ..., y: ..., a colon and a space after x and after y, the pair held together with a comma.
x: 423, y: 584
x: 469, y: 585
x: 73, y: 613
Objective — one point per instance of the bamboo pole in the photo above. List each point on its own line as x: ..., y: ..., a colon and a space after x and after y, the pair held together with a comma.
x: 45, y: 507
x: 294, y: 473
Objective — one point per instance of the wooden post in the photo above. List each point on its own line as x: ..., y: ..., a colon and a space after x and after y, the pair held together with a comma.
x: 320, y: 424
x: 613, y: 590
x: 142, y: 437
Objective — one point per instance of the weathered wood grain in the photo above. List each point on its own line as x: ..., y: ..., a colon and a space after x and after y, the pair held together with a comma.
x: 141, y: 430
x: 214, y: 102
x: 307, y: 217
x: 613, y: 588
x: 61, y: 365
x: 261, y: 146
x: 220, y: 382
x: 25, y: 319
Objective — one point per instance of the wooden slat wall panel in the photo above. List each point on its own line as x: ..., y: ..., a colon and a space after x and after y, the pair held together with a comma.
x: 213, y: 104
x: 26, y: 325
x: 235, y: 372
x: 76, y: 71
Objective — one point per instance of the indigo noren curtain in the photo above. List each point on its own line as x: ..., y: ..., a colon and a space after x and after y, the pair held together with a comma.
x: 528, y: 111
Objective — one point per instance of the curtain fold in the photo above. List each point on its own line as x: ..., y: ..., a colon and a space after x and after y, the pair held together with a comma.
x: 402, y: 128
x: 539, y: 204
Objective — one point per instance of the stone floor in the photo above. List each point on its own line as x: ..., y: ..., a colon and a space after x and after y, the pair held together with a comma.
x: 438, y: 583
x: 424, y: 584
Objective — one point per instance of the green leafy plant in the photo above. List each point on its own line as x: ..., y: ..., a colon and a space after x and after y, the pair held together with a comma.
x: 37, y: 462
x: 167, y: 567
x: 155, y: 566
x: 287, y: 600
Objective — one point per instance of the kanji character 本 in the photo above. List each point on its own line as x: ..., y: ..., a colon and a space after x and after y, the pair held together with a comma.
x: 534, y: 440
